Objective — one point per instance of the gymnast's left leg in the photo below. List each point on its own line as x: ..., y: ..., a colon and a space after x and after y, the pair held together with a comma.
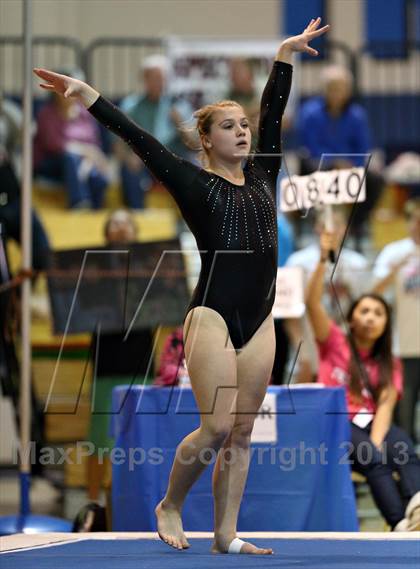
x: 254, y: 367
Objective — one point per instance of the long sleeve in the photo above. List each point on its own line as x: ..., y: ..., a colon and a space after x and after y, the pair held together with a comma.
x: 273, y: 104
x: 175, y: 173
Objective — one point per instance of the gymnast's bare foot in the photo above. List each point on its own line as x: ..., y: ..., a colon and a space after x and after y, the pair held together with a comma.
x: 169, y: 524
x: 221, y: 545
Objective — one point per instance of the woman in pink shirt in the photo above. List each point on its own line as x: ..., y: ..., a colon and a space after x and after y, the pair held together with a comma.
x: 361, y: 361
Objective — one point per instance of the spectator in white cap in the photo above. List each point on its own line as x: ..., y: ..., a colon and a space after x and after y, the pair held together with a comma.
x: 161, y: 116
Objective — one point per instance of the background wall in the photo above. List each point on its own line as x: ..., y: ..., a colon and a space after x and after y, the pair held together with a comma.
x: 86, y: 20
x: 89, y: 19
x: 395, y: 80
x: 346, y: 19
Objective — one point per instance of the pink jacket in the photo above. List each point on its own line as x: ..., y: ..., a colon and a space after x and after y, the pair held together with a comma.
x: 171, y: 359
x: 334, y: 356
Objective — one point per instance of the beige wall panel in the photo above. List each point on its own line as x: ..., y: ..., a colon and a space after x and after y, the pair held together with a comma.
x: 346, y: 18
x: 89, y: 19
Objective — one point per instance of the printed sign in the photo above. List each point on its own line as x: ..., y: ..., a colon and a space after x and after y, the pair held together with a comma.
x: 289, y: 301
x: 142, y: 286
x: 321, y: 188
x: 265, y: 426
x: 200, y: 67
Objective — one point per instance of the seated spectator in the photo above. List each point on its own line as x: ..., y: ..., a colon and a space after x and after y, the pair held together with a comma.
x: 242, y: 90
x: 118, y: 360
x: 67, y: 150
x: 10, y: 228
x: 361, y: 361
x: 404, y: 173
x: 334, y: 124
x: 349, y: 281
x: 397, y: 271
x: 10, y: 202
x: 157, y: 112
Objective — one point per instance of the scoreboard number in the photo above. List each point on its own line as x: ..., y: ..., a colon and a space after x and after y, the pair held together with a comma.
x: 321, y: 188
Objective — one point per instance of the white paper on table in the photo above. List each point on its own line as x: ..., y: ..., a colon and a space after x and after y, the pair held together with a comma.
x: 289, y: 301
x: 265, y: 425
x: 362, y: 419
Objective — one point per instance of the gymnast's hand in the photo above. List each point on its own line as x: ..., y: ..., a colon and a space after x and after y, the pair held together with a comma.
x: 67, y: 86
x: 300, y: 43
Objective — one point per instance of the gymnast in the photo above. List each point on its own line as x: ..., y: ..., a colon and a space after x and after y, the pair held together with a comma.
x: 230, y: 207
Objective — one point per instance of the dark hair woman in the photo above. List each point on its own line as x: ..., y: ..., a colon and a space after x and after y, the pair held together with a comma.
x: 362, y: 362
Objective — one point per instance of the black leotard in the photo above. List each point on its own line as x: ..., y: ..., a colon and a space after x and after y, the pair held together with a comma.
x: 235, y: 226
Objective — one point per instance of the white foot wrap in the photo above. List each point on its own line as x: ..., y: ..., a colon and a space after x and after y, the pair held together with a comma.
x: 236, y: 545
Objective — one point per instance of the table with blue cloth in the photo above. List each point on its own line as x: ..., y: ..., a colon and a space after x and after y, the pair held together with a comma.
x: 299, y: 482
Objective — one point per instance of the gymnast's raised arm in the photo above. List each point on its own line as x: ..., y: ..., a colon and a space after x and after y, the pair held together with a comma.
x: 275, y: 95
x: 175, y: 173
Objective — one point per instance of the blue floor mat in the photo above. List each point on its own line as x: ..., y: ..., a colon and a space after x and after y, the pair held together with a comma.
x: 152, y: 554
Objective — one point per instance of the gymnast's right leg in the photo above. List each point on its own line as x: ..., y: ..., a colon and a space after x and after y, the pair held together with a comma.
x: 211, y: 362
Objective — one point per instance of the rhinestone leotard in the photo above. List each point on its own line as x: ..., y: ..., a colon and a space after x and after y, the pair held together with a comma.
x: 235, y: 226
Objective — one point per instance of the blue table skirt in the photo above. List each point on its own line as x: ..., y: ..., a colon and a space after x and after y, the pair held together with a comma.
x: 300, y: 483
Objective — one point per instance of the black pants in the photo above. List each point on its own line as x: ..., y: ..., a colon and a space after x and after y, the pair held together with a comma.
x: 398, y: 455
x: 282, y: 353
